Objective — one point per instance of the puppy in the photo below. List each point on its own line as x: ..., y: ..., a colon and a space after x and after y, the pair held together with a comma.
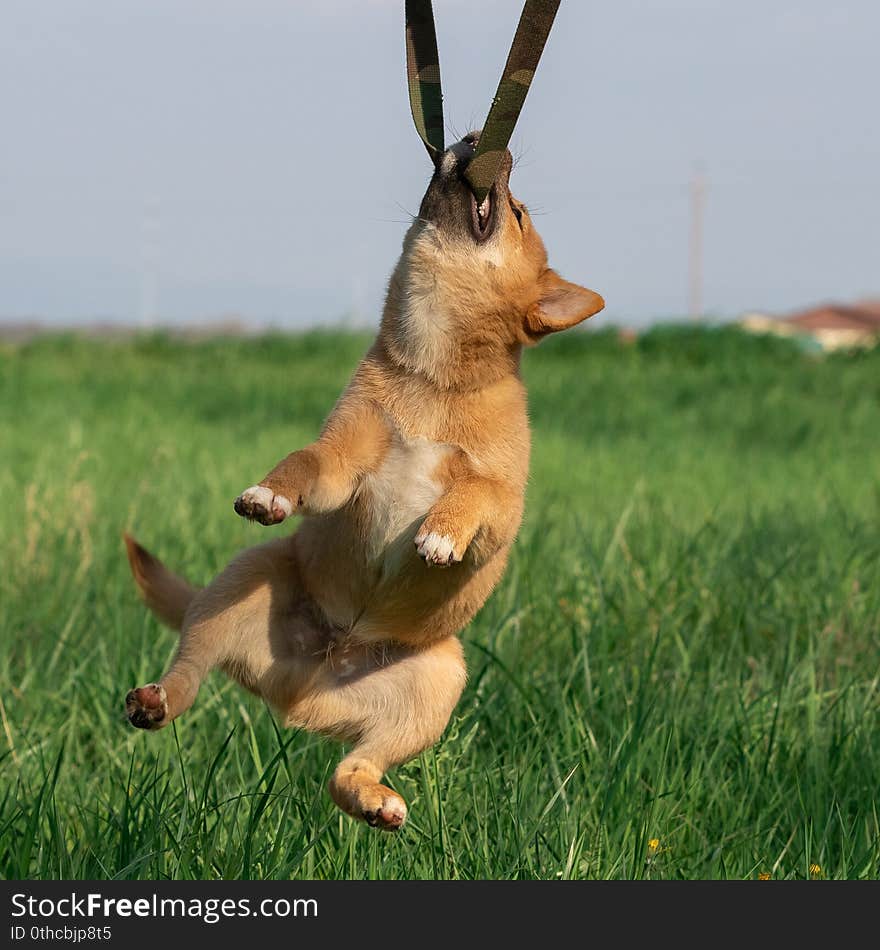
x: 410, y: 500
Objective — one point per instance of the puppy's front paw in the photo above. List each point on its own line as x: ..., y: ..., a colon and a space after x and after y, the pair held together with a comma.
x: 434, y: 547
x: 147, y: 707
x: 263, y: 505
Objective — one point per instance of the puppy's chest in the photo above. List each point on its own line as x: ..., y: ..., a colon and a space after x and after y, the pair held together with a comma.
x: 394, y: 499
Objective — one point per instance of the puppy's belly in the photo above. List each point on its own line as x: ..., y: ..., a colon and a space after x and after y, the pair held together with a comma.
x: 394, y: 500
x: 360, y: 563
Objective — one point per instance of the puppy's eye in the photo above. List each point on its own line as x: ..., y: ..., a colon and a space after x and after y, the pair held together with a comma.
x: 518, y: 213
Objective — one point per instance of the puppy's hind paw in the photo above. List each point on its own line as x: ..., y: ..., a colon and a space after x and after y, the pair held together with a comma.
x: 381, y: 808
x: 377, y: 805
x: 391, y: 815
x: 263, y: 505
x: 147, y: 707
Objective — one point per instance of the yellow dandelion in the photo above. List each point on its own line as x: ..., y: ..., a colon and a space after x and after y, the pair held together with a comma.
x: 764, y: 876
x: 653, y: 845
x: 815, y: 870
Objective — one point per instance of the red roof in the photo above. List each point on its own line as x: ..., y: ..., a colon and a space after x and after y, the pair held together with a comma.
x: 863, y: 316
x: 869, y: 306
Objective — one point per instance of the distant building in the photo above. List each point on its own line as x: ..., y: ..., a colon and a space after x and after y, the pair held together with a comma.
x: 831, y: 326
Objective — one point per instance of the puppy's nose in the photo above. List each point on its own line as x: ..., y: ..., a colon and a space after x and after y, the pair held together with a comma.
x: 473, y: 138
x: 457, y: 157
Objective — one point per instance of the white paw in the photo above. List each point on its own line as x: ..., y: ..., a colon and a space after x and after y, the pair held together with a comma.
x: 381, y: 808
x: 261, y: 504
x: 391, y: 815
x: 435, y: 548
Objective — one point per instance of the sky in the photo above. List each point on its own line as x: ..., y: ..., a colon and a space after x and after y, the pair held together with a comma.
x: 190, y: 160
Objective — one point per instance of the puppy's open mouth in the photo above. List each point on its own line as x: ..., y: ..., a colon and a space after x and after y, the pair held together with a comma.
x: 482, y: 216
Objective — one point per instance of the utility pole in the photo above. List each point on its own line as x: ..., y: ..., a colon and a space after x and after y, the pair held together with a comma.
x: 695, y: 276
x: 149, y: 289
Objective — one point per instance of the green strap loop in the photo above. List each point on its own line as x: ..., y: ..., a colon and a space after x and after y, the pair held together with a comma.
x: 525, y: 52
x: 423, y: 75
x: 426, y: 97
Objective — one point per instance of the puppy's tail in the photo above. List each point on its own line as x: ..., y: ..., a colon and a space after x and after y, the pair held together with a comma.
x: 166, y: 594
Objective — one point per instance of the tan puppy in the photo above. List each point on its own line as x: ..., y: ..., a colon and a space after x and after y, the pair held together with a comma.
x: 411, y: 496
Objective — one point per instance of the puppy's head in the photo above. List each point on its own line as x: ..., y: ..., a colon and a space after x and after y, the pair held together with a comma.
x: 473, y: 283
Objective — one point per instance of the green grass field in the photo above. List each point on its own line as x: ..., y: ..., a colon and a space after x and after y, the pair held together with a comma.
x: 677, y: 678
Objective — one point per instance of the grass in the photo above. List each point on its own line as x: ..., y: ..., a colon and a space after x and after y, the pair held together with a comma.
x: 677, y: 678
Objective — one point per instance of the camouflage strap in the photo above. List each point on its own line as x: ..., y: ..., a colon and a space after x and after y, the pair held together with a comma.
x: 423, y: 75
x: 528, y: 44
x: 426, y: 97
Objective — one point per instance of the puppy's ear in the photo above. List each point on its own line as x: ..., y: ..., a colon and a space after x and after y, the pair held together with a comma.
x: 560, y: 305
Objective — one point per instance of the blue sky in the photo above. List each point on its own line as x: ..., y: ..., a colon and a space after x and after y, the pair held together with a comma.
x: 187, y: 159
